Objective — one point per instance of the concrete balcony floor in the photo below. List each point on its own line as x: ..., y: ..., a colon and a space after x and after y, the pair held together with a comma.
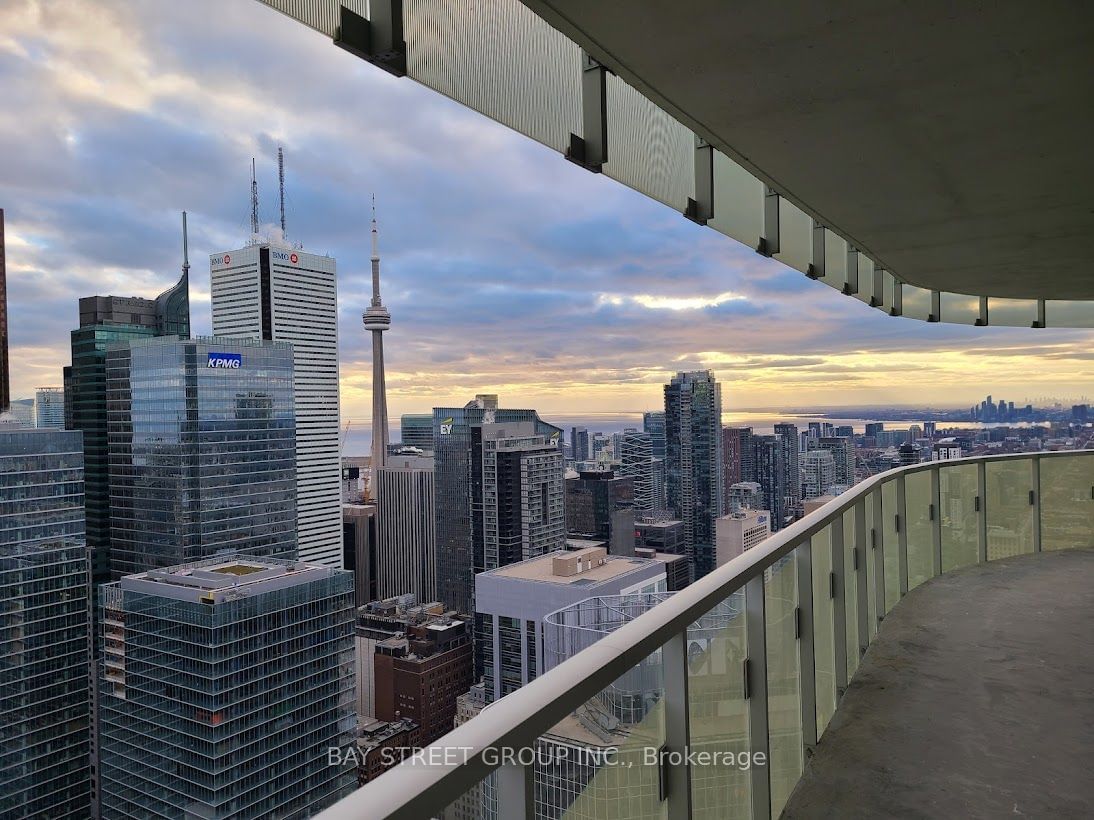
x: 976, y: 700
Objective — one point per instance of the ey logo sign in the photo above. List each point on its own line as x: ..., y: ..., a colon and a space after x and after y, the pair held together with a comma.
x: 446, y: 426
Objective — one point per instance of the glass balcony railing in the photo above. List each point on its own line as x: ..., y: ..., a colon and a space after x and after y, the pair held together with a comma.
x: 503, y: 60
x: 709, y: 703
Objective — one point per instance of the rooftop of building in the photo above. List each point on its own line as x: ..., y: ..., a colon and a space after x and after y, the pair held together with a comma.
x: 545, y: 569
x: 223, y: 578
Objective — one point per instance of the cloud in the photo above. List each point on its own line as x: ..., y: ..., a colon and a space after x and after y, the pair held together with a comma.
x: 506, y: 268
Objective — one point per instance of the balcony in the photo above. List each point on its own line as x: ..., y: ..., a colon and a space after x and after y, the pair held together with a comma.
x: 913, y: 646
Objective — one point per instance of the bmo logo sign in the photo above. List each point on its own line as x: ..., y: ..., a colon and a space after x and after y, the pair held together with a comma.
x: 226, y: 361
x: 226, y: 259
x: 282, y: 256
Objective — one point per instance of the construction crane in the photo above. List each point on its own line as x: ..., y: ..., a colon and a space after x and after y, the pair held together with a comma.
x: 342, y: 446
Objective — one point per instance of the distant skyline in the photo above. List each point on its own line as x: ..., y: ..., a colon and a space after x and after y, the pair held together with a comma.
x: 506, y: 269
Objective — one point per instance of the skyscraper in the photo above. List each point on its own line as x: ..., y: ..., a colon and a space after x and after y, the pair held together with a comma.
x: 272, y: 291
x: 406, y: 539
x: 843, y: 454
x: 769, y: 456
x: 693, y: 428
x: 517, y: 495
x: 49, y: 407
x: 103, y: 321
x: 223, y: 684
x: 416, y: 430
x: 792, y: 481
x: 579, y: 444
x: 452, y: 427
x: 737, y: 456
x: 653, y: 422
x: 376, y: 320
x: 5, y: 384
x: 600, y: 507
x: 818, y: 473
x: 636, y: 461
x: 44, y: 698
x: 201, y: 450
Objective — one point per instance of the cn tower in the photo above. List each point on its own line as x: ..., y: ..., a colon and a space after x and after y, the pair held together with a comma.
x: 376, y: 320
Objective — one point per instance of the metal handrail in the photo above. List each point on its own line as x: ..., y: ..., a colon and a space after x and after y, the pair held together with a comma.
x: 435, y: 777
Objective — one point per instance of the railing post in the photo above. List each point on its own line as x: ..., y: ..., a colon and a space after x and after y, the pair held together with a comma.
x: 769, y: 242
x: 806, y: 661
x: 862, y: 555
x: 936, y: 521
x: 902, y: 534
x: 877, y: 542
x: 982, y: 514
x: 839, y: 605
x: 516, y: 791
x: 1035, y: 468
x: 677, y: 779
x: 756, y: 631
x: 590, y: 150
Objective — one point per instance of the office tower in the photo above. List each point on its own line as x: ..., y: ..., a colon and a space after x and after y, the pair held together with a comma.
x: 579, y: 444
x: 513, y: 600
x: 873, y: 428
x: 736, y: 455
x: 793, y: 482
x: 602, y: 450
x: 267, y: 689
x: 405, y: 531
x: 377, y: 621
x: 455, y: 495
x: 274, y: 292
x: 600, y: 506
x: 746, y: 495
x: 201, y: 450
x: 693, y: 428
x: 827, y: 429
x: 49, y: 407
x: 517, y: 495
x: 5, y: 383
x: 740, y: 531
x: 814, y: 428
x: 660, y: 486
x: 359, y: 549
x: 44, y: 696
x: 653, y: 422
x: 930, y: 429
x: 770, y: 457
x: 818, y: 473
x: 376, y: 320
x: 1080, y: 413
x: 105, y: 320
x: 843, y: 430
x: 636, y: 461
x: 416, y: 430
x: 908, y: 454
x: 661, y: 534
x: 843, y: 454
x: 420, y: 673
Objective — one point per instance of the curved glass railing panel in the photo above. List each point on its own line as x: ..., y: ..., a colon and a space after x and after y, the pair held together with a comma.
x: 1069, y: 314
x: 890, y: 537
x: 1012, y: 312
x: 918, y: 505
x: 850, y: 592
x: 959, y: 309
x: 738, y: 202
x: 1067, y: 503
x: 647, y: 149
x: 824, y: 628
x: 795, y: 236
x: 915, y: 303
x: 1011, y: 501
x: 718, y: 712
x: 784, y: 680
x: 500, y: 59
x: 959, y: 515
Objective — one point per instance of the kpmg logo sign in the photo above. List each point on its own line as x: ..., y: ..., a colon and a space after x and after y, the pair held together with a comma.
x: 227, y: 361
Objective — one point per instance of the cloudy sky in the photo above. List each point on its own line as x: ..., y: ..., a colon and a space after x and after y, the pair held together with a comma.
x: 506, y: 269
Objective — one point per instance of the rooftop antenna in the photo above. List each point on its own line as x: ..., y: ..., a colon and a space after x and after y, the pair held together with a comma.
x: 281, y: 185
x: 254, y: 202
x: 185, y: 251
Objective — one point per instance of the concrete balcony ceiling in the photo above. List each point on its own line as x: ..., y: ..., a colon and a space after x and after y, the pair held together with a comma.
x: 951, y: 142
